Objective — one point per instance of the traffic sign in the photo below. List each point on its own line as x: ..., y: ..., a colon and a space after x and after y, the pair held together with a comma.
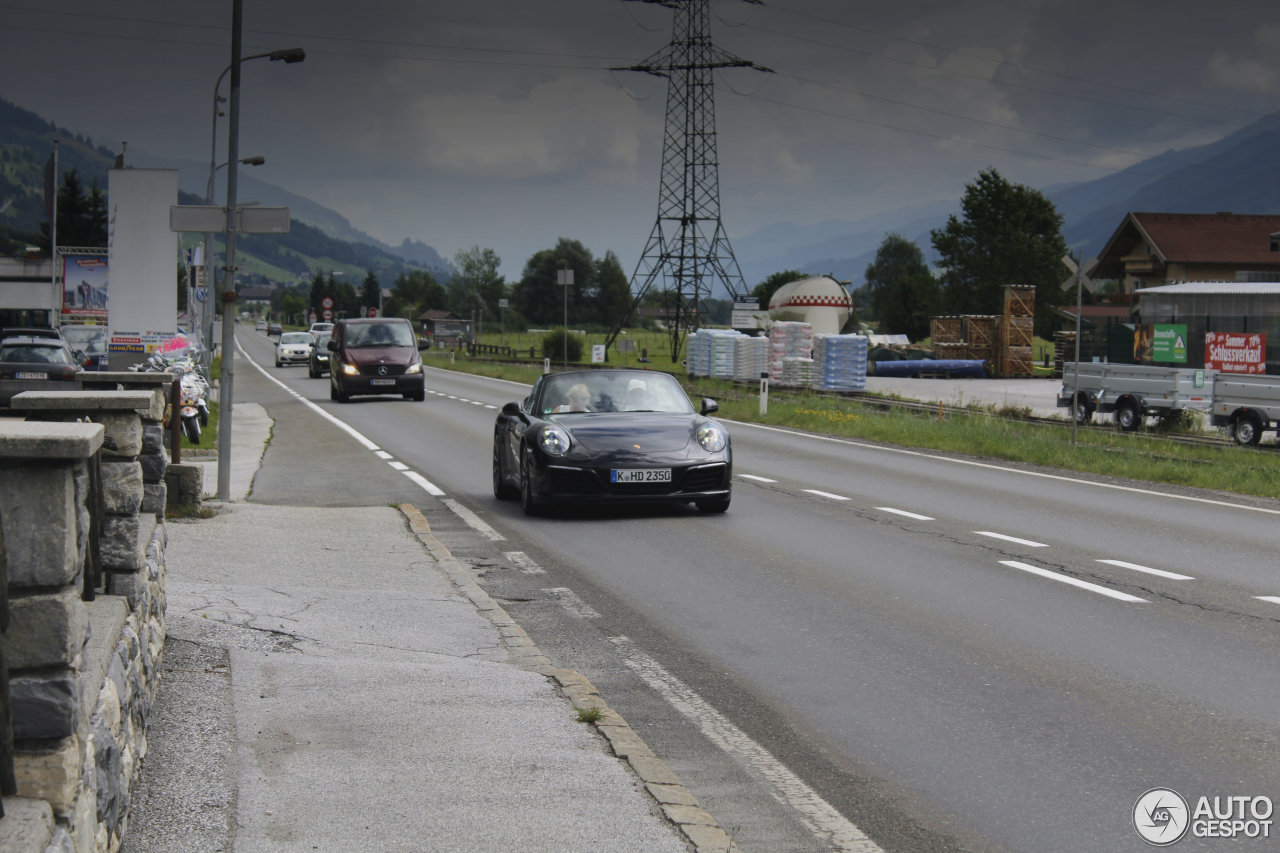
x: 202, y: 294
x: 326, y: 302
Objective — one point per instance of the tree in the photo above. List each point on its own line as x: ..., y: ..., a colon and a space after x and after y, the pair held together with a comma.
x: 613, y: 291
x: 1010, y: 234
x: 414, y: 292
x: 904, y: 293
x: 82, y: 220
x: 370, y: 292
x: 475, y: 284
x: 537, y: 295
x: 764, y: 290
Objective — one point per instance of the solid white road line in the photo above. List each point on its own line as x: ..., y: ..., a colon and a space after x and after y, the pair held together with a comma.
x: 914, y: 515
x: 1274, y: 599
x: 1014, y: 539
x: 1173, y: 576
x: 570, y: 601
x: 814, y: 813
x: 1067, y: 579
x: 427, y: 486
x: 521, y: 561
x: 826, y: 495
x: 473, y: 521
x: 1001, y: 468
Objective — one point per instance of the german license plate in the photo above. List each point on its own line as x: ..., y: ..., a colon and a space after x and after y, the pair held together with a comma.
x: 30, y: 374
x: 382, y: 382
x: 641, y: 475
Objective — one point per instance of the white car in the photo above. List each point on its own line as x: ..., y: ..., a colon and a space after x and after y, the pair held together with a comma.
x: 294, y: 348
x: 317, y: 328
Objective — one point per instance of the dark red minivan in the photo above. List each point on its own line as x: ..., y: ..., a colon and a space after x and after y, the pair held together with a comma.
x: 375, y: 355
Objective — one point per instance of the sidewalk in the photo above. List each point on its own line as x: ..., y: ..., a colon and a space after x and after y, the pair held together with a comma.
x: 335, y: 680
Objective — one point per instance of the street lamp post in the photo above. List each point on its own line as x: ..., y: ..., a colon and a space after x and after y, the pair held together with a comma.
x: 206, y: 309
x: 227, y: 392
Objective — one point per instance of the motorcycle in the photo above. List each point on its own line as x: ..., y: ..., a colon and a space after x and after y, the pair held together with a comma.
x: 194, y: 409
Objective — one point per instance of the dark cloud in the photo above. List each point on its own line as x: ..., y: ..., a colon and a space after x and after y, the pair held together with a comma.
x: 498, y: 123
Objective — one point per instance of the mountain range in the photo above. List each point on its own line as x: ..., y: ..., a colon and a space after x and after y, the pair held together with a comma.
x: 1238, y: 173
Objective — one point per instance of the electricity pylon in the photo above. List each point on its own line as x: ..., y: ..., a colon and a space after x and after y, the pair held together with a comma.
x: 688, y: 246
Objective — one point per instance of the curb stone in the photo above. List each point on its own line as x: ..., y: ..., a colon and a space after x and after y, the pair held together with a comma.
x: 676, y: 802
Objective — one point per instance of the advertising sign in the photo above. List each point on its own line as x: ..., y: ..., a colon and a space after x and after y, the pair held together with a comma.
x: 84, y: 285
x: 1169, y: 343
x: 1235, y: 352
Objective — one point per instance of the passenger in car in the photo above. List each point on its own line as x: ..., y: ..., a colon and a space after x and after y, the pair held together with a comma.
x: 578, y: 399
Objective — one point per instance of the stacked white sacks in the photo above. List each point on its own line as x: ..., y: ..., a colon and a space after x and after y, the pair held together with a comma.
x: 750, y: 357
x: 788, y: 340
x: 840, y: 362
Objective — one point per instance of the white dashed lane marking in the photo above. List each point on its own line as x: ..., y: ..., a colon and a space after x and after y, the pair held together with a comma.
x: 1013, y: 539
x: 1173, y: 576
x: 917, y: 516
x: 521, y: 561
x: 1067, y: 579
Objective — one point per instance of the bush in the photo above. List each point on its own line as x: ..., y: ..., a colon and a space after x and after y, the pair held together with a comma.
x: 556, y: 342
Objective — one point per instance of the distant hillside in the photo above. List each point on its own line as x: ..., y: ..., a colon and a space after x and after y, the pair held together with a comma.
x: 1239, y: 173
x: 319, y: 238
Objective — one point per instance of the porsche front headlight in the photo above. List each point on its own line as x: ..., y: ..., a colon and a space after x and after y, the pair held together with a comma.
x: 553, y: 440
x: 712, y: 437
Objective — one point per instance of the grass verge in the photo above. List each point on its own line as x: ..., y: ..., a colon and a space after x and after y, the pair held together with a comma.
x: 976, y: 431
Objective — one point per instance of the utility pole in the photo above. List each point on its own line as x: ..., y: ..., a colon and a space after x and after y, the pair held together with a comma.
x: 688, y: 246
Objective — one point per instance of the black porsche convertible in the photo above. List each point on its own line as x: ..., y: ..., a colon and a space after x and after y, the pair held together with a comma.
x: 594, y: 436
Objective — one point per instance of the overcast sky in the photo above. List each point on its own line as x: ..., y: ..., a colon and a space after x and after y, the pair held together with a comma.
x: 497, y: 122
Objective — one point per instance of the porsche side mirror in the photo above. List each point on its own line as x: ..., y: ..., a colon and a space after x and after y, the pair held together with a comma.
x: 511, y: 410
x: 709, y: 406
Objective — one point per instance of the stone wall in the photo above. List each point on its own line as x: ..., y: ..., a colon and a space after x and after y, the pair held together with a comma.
x: 81, y: 505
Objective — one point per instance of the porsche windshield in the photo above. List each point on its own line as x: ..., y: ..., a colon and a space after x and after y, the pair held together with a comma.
x: 612, y: 391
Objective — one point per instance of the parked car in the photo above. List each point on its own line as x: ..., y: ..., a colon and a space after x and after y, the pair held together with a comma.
x: 601, y: 436
x: 274, y: 329
x: 36, y: 362
x: 319, y: 364
x: 294, y: 348
x: 90, y: 340
x: 374, y: 355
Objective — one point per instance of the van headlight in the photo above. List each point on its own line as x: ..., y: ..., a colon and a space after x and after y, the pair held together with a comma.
x: 712, y: 437
x: 350, y: 370
x: 414, y: 368
x: 553, y: 440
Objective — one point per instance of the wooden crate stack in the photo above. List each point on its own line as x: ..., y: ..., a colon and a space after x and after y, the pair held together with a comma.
x: 947, y: 336
x: 1014, y: 353
x: 980, y: 337
x: 1064, y: 349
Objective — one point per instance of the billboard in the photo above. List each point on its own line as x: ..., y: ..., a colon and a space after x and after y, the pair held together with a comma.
x: 1235, y: 352
x: 84, y: 286
x: 144, y: 254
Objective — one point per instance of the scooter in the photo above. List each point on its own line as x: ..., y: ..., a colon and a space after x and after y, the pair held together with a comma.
x: 195, y: 411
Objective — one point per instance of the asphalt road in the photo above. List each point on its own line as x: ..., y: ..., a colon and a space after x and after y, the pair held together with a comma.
x: 927, y: 650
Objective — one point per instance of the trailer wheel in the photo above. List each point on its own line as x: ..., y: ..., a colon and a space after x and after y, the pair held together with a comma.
x: 1248, y: 429
x: 1084, y: 410
x: 1129, y: 416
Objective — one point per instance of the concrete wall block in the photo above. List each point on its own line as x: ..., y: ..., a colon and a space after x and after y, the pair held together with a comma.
x: 122, y: 486
x: 123, y: 436
x: 47, y: 630
x: 45, y: 706
x: 51, y: 775
x: 155, y: 497
x: 186, y: 483
x: 120, y: 547
x: 153, y: 439
x: 153, y: 467
x: 110, y: 780
x: 130, y: 585
x: 38, y: 510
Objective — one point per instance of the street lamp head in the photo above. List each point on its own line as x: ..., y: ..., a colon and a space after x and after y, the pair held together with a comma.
x: 256, y: 160
x: 289, y: 54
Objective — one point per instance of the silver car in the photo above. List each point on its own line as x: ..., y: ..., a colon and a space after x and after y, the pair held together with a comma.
x: 294, y: 348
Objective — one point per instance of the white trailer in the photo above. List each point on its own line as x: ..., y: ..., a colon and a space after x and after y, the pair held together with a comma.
x: 1247, y: 404
x: 1133, y: 391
